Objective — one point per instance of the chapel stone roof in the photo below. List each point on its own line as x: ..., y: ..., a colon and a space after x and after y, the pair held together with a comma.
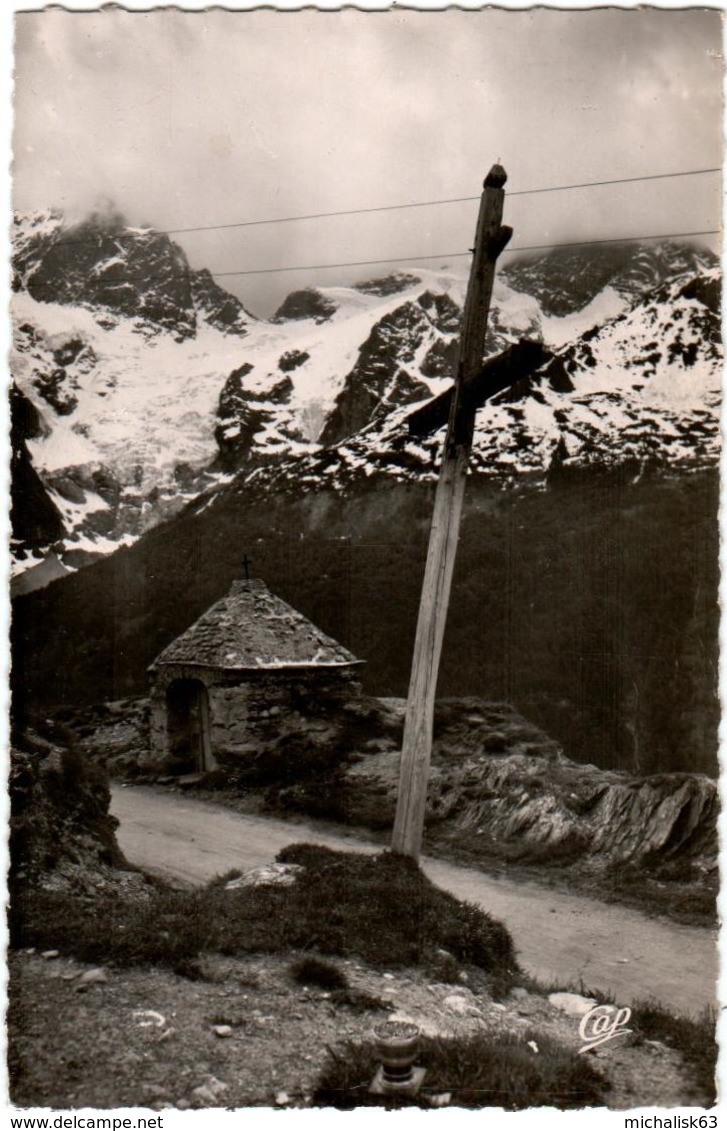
x: 251, y: 628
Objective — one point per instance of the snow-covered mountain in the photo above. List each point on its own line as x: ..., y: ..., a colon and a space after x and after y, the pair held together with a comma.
x: 145, y: 384
x: 121, y: 350
x: 566, y: 279
x: 643, y: 387
x: 130, y: 272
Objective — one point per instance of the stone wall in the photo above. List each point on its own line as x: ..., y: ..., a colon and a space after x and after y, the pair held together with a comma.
x: 250, y: 718
x: 253, y: 712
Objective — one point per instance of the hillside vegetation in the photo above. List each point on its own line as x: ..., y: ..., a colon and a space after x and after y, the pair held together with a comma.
x: 591, y: 605
x: 227, y: 994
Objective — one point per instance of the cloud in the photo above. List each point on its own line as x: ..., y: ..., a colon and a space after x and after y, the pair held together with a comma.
x: 209, y: 117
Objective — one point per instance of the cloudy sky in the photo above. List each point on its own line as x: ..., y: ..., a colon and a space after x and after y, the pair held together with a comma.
x: 203, y: 118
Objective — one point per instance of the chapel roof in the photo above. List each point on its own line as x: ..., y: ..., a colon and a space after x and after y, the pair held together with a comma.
x: 252, y: 629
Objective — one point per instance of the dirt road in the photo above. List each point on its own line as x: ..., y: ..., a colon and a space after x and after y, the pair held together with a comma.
x: 558, y: 936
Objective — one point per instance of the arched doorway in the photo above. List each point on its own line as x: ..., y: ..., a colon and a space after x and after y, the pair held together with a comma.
x: 188, y: 725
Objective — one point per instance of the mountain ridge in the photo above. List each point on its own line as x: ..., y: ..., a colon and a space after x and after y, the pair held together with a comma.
x: 155, y: 386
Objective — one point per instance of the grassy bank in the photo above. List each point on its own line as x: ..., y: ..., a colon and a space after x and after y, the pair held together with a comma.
x: 381, y: 909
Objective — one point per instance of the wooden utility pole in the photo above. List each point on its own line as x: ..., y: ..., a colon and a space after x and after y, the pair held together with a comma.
x: 513, y: 366
x: 490, y: 239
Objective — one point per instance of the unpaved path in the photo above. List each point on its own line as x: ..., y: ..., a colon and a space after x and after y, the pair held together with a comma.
x: 558, y: 936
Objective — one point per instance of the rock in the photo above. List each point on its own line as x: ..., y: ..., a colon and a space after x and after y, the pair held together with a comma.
x: 464, y: 1006
x: 222, y: 1030
x: 183, y: 1104
x: 442, y: 1099
x: 648, y: 817
x: 49, y: 953
x: 95, y: 977
x: 282, y: 1099
x: 145, y: 1018
x: 189, y: 781
x: 575, y: 1005
x: 270, y: 875
x: 155, y: 1090
x: 389, y: 977
x: 210, y: 1092
x: 167, y: 1035
x: 64, y: 800
x: 518, y: 992
x: 532, y: 1045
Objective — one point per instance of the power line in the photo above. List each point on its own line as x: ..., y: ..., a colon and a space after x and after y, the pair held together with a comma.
x: 407, y: 258
x: 430, y: 203
x: 411, y: 204
x: 457, y: 254
x: 617, y: 181
x: 614, y: 239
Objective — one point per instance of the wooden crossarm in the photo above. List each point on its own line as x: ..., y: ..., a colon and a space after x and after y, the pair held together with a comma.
x: 499, y: 373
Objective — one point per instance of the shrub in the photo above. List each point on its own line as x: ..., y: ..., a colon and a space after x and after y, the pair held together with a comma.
x: 314, y: 971
x: 381, y: 908
x: 486, y: 1070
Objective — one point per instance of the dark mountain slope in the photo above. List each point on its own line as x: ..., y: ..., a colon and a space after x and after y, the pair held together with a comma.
x: 592, y: 606
x: 35, y: 519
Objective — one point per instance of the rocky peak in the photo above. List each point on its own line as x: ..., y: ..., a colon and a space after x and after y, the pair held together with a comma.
x: 137, y: 273
x: 444, y: 313
x: 387, y: 285
x: 416, y: 337
x: 218, y: 307
x: 308, y: 303
x: 566, y: 279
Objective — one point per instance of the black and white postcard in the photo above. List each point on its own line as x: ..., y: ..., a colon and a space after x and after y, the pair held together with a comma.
x: 364, y: 412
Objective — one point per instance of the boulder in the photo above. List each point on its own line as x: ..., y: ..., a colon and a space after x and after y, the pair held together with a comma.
x: 270, y: 875
x: 575, y: 1005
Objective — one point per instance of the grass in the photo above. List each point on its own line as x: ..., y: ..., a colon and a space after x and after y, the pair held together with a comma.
x: 477, y: 1072
x: 652, y: 889
x: 381, y: 908
x: 314, y: 971
x: 694, y: 1038
x: 678, y: 890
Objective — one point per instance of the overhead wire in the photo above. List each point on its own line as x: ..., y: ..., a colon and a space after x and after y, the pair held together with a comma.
x: 416, y: 204
x: 459, y: 254
x: 411, y: 258
x: 423, y: 204
x: 431, y: 203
